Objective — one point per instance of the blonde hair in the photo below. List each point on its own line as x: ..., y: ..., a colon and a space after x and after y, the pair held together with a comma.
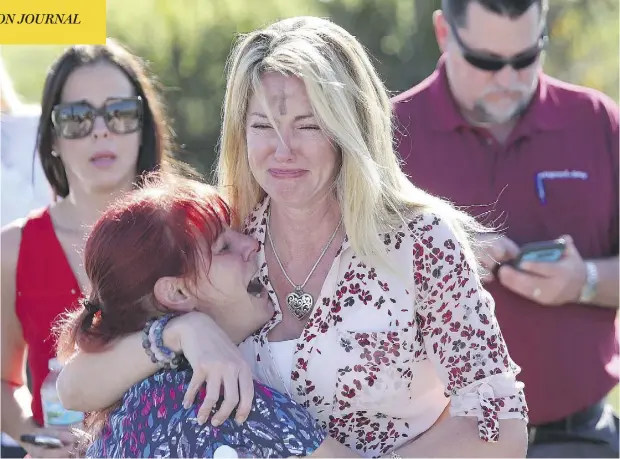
x: 352, y: 107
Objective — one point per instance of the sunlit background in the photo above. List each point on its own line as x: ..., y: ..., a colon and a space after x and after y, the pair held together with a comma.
x: 187, y: 42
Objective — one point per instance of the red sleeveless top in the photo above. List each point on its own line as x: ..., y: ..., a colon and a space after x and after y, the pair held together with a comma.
x: 45, y: 288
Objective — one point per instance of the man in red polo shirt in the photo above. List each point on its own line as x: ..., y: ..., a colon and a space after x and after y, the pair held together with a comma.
x: 538, y: 159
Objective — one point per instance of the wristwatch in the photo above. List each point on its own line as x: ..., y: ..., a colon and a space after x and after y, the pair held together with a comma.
x: 589, y: 288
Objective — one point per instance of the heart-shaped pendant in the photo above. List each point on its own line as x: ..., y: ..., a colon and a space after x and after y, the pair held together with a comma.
x: 299, y: 303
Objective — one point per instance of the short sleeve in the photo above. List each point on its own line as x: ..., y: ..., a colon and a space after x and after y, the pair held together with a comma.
x: 460, y: 332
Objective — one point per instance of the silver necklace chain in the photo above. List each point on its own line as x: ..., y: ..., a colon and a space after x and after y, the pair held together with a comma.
x: 275, y: 252
x: 299, y: 302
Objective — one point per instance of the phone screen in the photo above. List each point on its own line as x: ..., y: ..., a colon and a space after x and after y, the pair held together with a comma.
x: 543, y: 255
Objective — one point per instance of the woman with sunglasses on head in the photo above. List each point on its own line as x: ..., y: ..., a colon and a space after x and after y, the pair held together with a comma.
x: 101, y: 127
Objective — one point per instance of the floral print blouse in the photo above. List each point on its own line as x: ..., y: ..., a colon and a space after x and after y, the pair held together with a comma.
x: 386, y: 350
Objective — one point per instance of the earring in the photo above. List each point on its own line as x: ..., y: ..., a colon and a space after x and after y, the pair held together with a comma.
x: 55, y: 154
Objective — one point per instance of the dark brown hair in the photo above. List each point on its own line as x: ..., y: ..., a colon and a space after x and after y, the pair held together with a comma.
x: 455, y: 11
x: 155, y: 145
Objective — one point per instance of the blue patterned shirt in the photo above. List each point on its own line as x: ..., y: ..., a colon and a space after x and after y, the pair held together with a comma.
x: 151, y: 422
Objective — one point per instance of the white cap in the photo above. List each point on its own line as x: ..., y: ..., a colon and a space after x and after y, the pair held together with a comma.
x: 225, y: 452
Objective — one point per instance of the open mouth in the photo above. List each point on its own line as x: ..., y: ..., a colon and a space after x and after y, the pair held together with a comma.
x: 255, y: 288
x: 103, y: 159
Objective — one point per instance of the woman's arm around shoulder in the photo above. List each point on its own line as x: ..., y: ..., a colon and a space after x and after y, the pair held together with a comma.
x: 94, y: 381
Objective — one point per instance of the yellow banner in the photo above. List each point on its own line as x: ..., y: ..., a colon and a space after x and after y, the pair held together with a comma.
x: 52, y: 22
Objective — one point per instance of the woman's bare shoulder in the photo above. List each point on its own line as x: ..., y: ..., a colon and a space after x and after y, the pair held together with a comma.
x: 10, y: 239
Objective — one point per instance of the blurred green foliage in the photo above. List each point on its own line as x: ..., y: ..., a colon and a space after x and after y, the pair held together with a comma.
x: 187, y: 42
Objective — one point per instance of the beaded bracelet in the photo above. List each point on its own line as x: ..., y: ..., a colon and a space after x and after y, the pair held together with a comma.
x: 170, y: 358
x: 158, y: 354
x: 158, y: 329
x: 153, y: 344
x: 146, y: 342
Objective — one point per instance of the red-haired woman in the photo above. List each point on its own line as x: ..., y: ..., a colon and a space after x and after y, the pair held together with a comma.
x: 164, y: 250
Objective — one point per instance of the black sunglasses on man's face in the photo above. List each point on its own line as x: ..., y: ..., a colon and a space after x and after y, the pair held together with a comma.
x: 492, y: 63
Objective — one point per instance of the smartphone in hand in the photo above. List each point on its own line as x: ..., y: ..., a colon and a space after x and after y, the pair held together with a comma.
x: 543, y: 251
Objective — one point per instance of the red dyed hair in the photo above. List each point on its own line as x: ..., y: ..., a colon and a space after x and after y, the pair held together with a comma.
x: 154, y: 232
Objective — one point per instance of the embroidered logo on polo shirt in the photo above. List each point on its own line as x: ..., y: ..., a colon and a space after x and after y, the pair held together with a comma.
x: 555, y: 175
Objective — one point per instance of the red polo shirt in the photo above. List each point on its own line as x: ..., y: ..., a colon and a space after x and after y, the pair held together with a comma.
x: 556, y: 174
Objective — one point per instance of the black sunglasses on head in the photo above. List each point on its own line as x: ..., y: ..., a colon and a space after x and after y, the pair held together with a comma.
x: 75, y: 120
x: 492, y: 63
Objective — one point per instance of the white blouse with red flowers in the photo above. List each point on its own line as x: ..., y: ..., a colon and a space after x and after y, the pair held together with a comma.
x: 381, y: 356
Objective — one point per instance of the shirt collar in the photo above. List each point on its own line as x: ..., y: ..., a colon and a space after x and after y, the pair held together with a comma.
x: 447, y: 116
x: 544, y: 112
x: 256, y: 224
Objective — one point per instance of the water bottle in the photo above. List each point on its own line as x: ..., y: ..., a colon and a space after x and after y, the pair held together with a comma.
x: 54, y: 414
